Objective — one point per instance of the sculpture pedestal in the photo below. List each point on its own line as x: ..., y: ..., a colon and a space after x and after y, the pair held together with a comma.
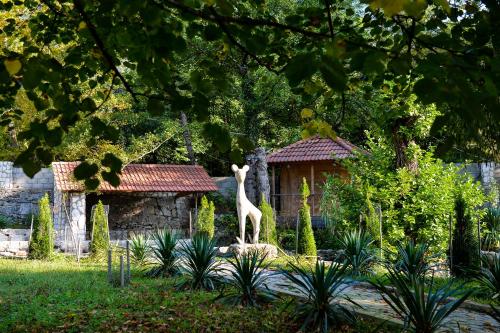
x: 269, y: 250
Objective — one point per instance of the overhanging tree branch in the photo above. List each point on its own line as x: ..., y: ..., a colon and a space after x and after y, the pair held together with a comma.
x: 100, y: 44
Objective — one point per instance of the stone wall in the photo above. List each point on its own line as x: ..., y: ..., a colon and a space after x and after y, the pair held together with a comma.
x: 144, y: 212
x: 19, y: 194
x: 226, y: 186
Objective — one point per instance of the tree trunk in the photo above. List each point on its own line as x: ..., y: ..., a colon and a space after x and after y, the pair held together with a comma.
x: 401, y: 142
x: 187, y: 138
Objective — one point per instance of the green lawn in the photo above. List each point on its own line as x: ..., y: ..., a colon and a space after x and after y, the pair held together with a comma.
x: 62, y: 296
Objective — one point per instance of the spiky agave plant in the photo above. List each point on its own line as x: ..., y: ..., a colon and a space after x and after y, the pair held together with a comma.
x: 489, y: 276
x: 320, y: 290
x: 199, y: 265
x: 139, y: 249
x: 422, y: 312
x: 358, y: 252
x: 491, y: 239
x: 248, y: 281
x: 163, y: 251
x: 411, y: 259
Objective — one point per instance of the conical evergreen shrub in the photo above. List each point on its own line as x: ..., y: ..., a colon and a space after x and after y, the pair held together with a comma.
x: 42, y: 240
x: 306, y: 242
x: 100, y: 233
x: 267, y: 223
x: 464, y: 250
x: 206, y: 216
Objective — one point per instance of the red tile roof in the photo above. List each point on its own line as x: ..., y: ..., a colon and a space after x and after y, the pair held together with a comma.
x: 142, y: 178
x: 315, y: 148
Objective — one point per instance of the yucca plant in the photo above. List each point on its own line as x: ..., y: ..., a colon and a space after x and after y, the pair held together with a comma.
x: 489, y: 276
x: 139, y: 249
x: 247, y: 280
x: 422, y: 312
x: 163, y: 252
x: 411, y: 259
x: 491, y: 239
x: 358, y: 252
x: 320, y: 291
x: 199, y: 266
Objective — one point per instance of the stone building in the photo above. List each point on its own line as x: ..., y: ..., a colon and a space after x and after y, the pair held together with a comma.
x: 150, y: 196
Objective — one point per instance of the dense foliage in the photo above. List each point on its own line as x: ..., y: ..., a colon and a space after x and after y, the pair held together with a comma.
x: 42, y: 239
x: 205, y: 221
x: 99, y: 243
x: 267, y: 223
x: 306, y: 244
x: 64, y: 63
x: 415, y: 204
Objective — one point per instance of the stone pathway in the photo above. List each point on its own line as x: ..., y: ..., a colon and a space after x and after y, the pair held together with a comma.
x: 465, y: 319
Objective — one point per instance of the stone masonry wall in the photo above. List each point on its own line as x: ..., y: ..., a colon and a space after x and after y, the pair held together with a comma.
x: 146, y: 212
x: 19, y: 194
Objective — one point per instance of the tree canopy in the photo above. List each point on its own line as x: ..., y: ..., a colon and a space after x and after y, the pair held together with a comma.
x: 71, y: 62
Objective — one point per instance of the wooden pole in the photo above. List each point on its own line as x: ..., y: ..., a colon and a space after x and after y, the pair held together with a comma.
x: 451, y: 242
x: 479, y: 241
x: 122, y: 272
x: 190, y: 225
x: 297, y: 235
x: 312, y: 189
x: 110, y: 272
x: 128, y: 262
x: 273, y: 188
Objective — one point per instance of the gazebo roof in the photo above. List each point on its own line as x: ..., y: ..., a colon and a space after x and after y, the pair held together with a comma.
x: 142, y: 178
x: 315, y: 148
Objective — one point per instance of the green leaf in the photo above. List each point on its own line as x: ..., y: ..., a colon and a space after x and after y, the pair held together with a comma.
x: 218, y: 135
x: 88, y: 104
x: 299, y: 68
x: 333, y: 74
x: 85, y: 170
x: 92, y: 184
x: 111, y: 177
x: 112, y: 162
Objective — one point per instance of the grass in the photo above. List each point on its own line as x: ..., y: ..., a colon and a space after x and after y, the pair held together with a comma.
x: 64, y: 296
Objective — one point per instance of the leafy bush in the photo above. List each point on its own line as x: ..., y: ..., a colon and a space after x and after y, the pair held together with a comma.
x: 358, y: 251
x: 139, y: 249
x: 227, y: 228
x: 163, y: 252
x: 248, y: 281
x: 287, y: 239
x: 4, y: 221
x: 199, y: 265
x: 205, y: 221
x: 321, y: 289
x: 415, y: 205
x: 99, y: 244
x: 267, y: 223
x: 42, y: 240
x: 464, y: 254
x: 491, y: 221
x: 411, y: 260
x: 306, y: 243
x: 422, y: 309
x: 489, y: 276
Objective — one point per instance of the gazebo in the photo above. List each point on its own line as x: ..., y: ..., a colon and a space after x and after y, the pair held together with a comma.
x: 313, y: 158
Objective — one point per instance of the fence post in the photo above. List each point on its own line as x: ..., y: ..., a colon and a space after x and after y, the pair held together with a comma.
x: 479, y: 241
x: 451, y: 242
x: 128, y: 263
x: 122, y: 272
x: 110, y: 271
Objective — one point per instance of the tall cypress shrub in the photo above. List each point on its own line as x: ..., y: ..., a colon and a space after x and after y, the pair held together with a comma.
x: 464, y: 243
x: 100, y: 233
x: 206, y: 216
x: 306, y: 243
x: 42, y: 240
x: 267, y: 223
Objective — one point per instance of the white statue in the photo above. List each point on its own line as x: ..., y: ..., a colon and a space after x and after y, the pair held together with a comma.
x: 245, y: 207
